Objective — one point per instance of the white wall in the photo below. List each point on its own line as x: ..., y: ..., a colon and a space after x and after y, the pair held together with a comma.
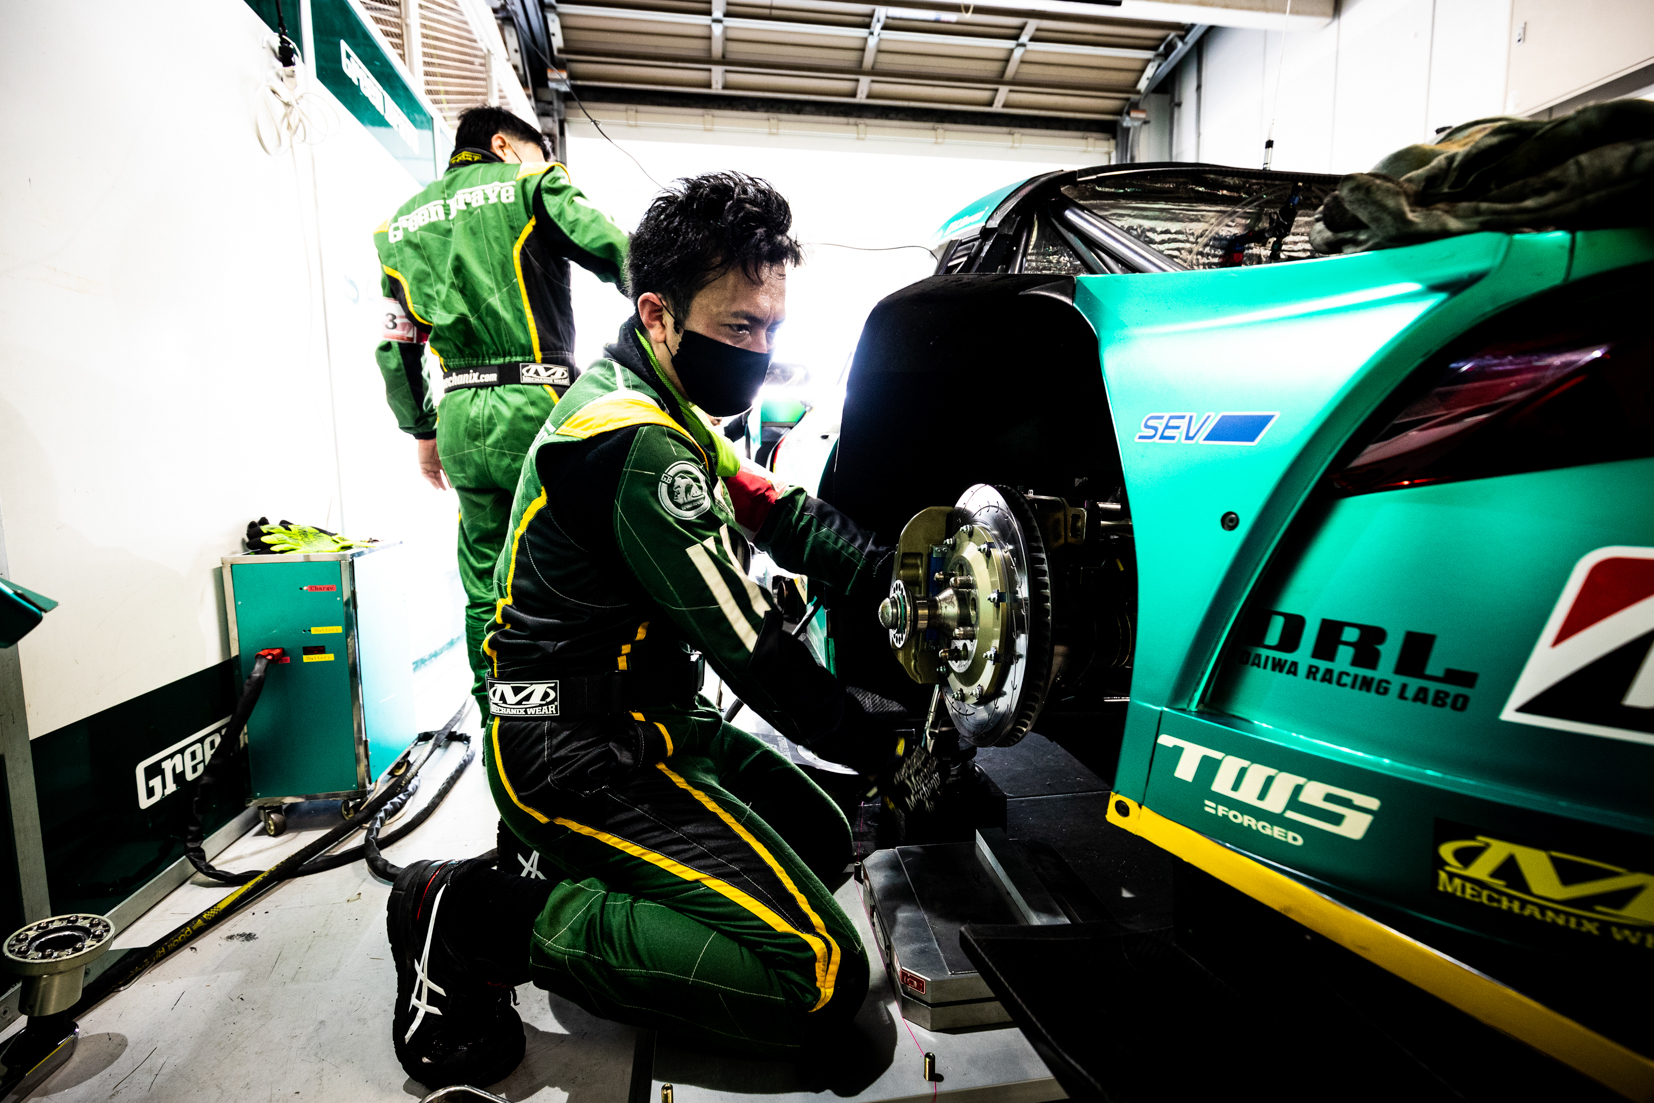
x: 1388, y: 73
x: 1382, y: 75
x: 186, y: 335
x: 1560, y: 48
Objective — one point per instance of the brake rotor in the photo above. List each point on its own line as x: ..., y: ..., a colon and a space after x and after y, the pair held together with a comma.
x: 970, y: 609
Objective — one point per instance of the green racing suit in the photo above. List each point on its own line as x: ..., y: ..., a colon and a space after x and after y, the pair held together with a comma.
x: 476, y: 267
x: 696, y: 860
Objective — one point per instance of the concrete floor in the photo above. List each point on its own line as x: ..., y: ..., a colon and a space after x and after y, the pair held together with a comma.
x: 292, y: 999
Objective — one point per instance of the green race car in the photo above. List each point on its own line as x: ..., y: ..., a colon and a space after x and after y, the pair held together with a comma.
x: 1341, y: 568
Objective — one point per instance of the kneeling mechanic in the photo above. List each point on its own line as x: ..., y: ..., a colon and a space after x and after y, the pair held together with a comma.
x: 696, y: 863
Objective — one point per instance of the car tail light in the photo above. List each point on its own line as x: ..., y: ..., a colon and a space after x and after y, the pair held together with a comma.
x: 1562, y: 380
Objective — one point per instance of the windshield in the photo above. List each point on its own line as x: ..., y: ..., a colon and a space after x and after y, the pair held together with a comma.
x: 1211, y: 218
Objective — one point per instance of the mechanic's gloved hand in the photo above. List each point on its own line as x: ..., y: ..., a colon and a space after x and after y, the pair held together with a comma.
x: 911, y: 779
x: 286, y: 537
x: 873, y: 736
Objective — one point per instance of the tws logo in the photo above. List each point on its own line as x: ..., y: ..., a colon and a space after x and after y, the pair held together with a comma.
x: 159, y: 774
x: 522, y: 698
x: 1272, y: 791
x: 1234, y: 428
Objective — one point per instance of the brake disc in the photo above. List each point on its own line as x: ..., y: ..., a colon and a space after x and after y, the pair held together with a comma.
x: 970, y: 609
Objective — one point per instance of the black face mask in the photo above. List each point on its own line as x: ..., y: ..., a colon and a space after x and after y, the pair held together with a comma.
x: 721, y: 379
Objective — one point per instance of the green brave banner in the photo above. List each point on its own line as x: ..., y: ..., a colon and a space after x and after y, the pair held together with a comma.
x: 353, y: 66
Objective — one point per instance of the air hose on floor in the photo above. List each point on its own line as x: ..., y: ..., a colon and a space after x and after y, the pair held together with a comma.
x: 371, y: 842
x: 228, y: 750
x: 400, y: 776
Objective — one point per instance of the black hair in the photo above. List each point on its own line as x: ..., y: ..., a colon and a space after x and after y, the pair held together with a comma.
x: 703, y: 226
x: 478, y: 125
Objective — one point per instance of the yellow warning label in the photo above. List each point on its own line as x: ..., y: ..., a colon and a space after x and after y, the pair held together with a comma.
x: 318, y: 658
x: 324, y: 630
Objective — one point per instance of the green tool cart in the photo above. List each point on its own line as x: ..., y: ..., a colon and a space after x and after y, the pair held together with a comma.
x: 338, y: 707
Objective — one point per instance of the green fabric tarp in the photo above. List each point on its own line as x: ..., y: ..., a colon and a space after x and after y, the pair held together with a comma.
x: 1591, y: 169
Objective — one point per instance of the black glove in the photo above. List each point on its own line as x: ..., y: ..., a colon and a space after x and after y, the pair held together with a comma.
x: 872, y: 736
x: 880, y: 735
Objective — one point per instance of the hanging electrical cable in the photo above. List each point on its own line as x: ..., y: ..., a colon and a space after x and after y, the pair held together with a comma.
x: 874, y: 248
x: 286, y: 111
x: 551, y: 65
x: 1275, y: 103
x: 611, y: 141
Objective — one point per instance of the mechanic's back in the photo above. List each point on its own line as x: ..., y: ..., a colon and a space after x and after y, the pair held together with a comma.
x: 476, y: 265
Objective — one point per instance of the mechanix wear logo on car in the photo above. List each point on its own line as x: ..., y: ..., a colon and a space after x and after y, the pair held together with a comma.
x: 1533, y: 892
x: 683, y: 490
x: 522, y: 698
x: 1592, y: 670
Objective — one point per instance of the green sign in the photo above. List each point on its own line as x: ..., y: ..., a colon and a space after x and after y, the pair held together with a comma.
x: 353, y: 66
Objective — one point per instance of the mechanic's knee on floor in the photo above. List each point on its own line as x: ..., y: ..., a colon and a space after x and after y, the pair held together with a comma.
x: 640, y: 962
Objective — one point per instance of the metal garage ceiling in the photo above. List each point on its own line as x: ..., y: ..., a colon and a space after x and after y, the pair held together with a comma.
x: 1075, y: 66
x: 941, y: 57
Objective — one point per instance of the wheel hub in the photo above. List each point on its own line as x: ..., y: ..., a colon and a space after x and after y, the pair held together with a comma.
x: 970, y: 610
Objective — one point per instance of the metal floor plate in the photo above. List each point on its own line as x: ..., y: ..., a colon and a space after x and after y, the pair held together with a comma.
x: 976, y: 1066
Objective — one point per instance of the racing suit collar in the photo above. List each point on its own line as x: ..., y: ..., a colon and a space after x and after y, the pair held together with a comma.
x: 631, y: 350
x: 470, y: 156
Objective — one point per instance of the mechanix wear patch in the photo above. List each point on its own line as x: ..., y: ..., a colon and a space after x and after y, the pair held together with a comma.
x: 558, y: 375
x: 683, y: 490
x: 522, y: 698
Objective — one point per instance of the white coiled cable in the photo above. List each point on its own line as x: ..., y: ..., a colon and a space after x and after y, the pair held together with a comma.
x: 287, y: 112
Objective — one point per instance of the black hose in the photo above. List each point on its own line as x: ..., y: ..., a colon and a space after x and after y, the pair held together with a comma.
x: 355, y: 853
x: 371, y: 842
x: 137, y: 963
x: 229, y: 745
x: 194, y: 834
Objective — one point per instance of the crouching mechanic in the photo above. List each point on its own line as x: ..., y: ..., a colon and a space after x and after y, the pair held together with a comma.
x: 697, y: 863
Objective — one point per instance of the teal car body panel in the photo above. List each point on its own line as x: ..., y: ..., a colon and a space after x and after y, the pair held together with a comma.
x: 972, y: 215
x: 1345, y: 680
x: 1295, y: 341
x: 1352, y: 771
x: 1329, y: 682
